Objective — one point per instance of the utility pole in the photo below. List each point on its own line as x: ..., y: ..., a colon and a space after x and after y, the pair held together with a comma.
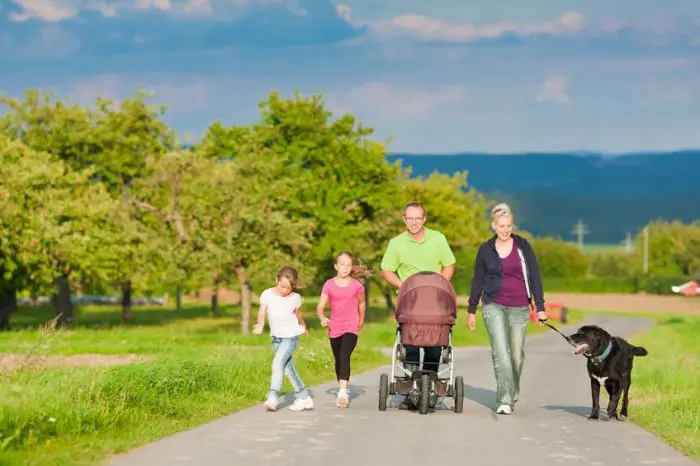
x: 628, y: 242
x: 580, y: 229
x: 646, y: 249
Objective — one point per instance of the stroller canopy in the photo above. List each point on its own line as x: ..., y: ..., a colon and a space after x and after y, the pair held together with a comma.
x: 426, y: 298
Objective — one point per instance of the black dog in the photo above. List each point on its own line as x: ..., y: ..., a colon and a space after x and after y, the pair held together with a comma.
x: 609, y: 362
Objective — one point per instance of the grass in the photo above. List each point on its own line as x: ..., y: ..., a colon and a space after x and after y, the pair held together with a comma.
x: 665, y: 394
x: 200, y: 368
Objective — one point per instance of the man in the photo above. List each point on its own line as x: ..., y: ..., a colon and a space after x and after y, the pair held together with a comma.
x: 418, y: 249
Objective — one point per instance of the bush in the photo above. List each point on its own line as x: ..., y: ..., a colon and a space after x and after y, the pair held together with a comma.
x: 559, y: 259
x: 613, y: 264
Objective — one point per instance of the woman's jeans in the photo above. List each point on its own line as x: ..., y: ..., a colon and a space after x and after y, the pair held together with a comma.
x: 282, y: 364
x: 506, y: 327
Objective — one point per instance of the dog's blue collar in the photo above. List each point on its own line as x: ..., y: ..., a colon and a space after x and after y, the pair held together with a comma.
x: 600, y: 358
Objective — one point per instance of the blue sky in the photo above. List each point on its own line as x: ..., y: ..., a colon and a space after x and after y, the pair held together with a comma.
x: 431, y: 76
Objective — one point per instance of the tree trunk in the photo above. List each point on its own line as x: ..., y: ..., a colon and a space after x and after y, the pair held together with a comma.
x: 246, y: 301
x: 215, y: 301
x: 126, y: 301
x: 62, y: 302
x: 8, y: 303
x: 178, y: 299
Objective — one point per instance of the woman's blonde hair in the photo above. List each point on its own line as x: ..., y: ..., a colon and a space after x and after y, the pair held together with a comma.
x: 501, y: 210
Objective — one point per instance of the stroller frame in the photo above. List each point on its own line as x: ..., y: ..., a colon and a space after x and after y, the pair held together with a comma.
x: 424, y: 388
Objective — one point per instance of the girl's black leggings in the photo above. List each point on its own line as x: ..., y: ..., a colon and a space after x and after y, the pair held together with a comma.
x: 343, y: 347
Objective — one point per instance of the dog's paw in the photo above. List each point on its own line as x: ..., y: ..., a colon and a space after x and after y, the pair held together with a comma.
x: 622, y: 417
x: 593, y: 417
x: 612, y: 416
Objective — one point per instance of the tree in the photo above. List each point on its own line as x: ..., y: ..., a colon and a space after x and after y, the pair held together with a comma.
x: 674, y: 248
x: 253, y: 233
x: 176, y: 203
x: 113, y: 140
x: 344, y: 182
x: 54, y: 221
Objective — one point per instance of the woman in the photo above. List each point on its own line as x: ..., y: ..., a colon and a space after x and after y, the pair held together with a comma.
x: 507, y: 279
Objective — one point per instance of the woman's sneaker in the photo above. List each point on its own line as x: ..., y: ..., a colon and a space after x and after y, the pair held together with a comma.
x: 301, y: 404
x: 504, y: 409
x: 271, y: 403
x: 343, y: 399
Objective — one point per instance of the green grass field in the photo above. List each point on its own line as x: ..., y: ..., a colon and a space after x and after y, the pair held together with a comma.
x: 666, y: 386
x: 199, y: 368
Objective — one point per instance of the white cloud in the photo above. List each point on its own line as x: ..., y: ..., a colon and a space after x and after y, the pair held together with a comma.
x: 163, y: 5
x: 46, y: 10
x: 432, y: 29
x: 554, y: 90
x: 198, y: 6
x: 390, y: 102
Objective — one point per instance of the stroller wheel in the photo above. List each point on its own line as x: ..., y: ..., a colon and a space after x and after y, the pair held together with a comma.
x: 424, y: 400
x: 459, y: 394
x: 383, y: 391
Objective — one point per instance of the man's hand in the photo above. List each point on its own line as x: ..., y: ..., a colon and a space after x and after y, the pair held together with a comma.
x: 542, y: 317
x: 391, y: 278
x: 471, y: 322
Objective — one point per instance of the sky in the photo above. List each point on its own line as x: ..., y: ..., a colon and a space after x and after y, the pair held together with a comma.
x: 438, y: 76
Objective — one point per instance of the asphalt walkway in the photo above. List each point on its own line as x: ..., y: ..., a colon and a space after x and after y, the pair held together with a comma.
x: 549, y: 426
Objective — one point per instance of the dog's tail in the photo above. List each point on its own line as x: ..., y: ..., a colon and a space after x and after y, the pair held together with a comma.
x: 639, y: 351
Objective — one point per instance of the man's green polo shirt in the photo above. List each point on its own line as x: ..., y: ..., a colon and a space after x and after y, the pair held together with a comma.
x: 405, y: 256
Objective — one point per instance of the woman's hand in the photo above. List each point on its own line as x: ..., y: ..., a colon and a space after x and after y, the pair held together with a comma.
x: 324, y: 321
x: 471, y: 321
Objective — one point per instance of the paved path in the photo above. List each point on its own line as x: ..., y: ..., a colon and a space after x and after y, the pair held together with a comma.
x: 548, y: 427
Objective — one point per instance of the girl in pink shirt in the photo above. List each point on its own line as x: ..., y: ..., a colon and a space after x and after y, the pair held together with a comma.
x: 346, y: 296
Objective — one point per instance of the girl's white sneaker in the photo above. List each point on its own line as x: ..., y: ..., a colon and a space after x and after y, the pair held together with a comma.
x: 343, y: 399
x: 271, y: 403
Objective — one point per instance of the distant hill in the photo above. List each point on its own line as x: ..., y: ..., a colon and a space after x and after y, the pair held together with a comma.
x: 612, y: 194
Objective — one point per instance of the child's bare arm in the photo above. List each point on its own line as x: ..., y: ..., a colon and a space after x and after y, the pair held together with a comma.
x: 300, y: 318
x: 362, y: 307
x: 261, y: 318
x: 321, y: 307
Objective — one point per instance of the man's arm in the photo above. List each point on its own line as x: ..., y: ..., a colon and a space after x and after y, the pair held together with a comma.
x: 448, y: 271
x: 447, y: 260
x: 391, y: 278
x: 389, y: 266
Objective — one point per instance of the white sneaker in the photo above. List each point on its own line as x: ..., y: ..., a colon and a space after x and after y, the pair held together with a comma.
x: 343, y: 399
x: 302, y: 404
x: 271, y: 403
x: 504, y: 409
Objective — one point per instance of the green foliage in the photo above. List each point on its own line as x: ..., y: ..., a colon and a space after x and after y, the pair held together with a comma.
x: 113, y: 141
x: 613, y: 263
x: 53, y: 220
x: 674, y: 248
x: 113, y: 198
x: 559, y: 259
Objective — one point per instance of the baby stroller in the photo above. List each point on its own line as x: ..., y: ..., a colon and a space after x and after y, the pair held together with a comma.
x: 426, y: 310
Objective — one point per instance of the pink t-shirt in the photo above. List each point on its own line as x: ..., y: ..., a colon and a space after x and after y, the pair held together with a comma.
x: 345, y: 315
